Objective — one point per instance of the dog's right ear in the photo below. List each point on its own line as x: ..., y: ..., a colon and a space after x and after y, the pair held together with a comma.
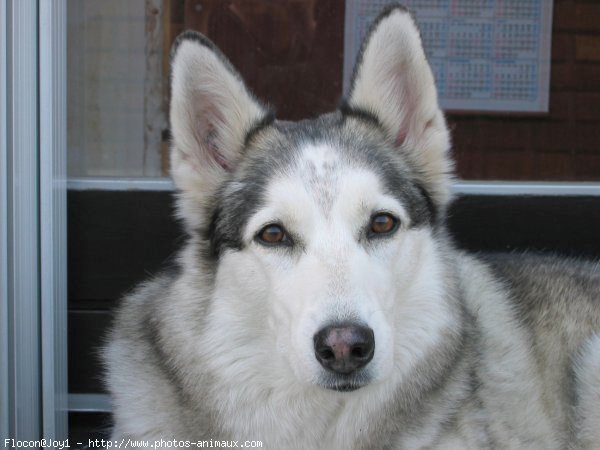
x: 211, y: 112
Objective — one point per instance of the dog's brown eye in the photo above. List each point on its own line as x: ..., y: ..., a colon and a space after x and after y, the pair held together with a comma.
x: 383, y: 223
x: 272, y: 234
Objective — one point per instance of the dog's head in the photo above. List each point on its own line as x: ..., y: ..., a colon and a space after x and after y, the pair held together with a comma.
x: 320, y: 233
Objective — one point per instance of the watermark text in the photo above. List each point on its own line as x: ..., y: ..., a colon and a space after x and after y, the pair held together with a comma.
x: 171, y: 443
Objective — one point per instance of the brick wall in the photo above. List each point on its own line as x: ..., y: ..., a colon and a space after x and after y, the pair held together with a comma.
x: 291, y: 53
x: 561, y: 145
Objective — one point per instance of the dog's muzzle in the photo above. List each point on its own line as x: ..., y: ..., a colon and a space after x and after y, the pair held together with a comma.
x: 344, y: 348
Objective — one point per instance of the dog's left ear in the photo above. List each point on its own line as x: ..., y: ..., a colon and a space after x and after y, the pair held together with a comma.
x: 393, y: 81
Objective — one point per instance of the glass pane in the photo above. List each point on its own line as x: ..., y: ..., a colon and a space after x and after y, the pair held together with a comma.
x: 116, y: 107
x: 291, y: 53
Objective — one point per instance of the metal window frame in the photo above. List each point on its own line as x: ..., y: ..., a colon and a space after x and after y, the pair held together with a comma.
x: 460, y: 187
x: 24, y: 401
x: 53, y: 215
x: 33, y: 306
x: 512, y: 188
x: 4, y: 371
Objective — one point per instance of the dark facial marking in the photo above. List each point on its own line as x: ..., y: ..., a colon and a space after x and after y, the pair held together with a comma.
x: 322, y: 182
x: 433, y: 212
x: 398, y: 178
x: 358, y: 113
x: 217, y: 236
x: 234, y: 209
x: 264, y: 122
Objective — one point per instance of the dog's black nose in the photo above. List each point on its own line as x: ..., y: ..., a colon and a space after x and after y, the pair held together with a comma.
x: 344, y: 348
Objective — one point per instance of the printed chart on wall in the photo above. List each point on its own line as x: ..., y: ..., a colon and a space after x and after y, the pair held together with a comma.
x: 486, y: 55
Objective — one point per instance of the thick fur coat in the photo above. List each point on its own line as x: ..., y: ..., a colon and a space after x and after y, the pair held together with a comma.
x: 319, y: 303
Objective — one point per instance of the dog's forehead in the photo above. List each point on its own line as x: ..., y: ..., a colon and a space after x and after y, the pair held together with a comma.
x: 318, y: 170
x: 318, y: 164
x: 322, y: 155
x: 318, y: 160
x: 314, y: 148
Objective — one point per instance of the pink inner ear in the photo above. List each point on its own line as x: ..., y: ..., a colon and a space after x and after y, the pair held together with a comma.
x: 406, y: 124
x: 403, y: 96
x: 404, y: 127
x: 220, y: 159
x: 206, y: 136
x: 402, y: 133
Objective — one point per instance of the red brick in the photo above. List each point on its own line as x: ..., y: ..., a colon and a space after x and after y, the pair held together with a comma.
x: 587, y: 138
x: 587, y: 16
x: 506, y: 165
x: 587, y: 106
x: 506, y: 134
x: 587, y: 167
x: 587, y: 47
x: 559, y: 107
x: 563, y: 15
x: 554, y: 137
x: 554, y: 166
x: 563, y: 46
x: 465, y: 132
x: 562, y: 76
x: 587, y: 76
x: 468, y: 163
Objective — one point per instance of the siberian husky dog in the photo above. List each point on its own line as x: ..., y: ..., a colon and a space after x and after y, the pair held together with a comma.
x: 320, y: 304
